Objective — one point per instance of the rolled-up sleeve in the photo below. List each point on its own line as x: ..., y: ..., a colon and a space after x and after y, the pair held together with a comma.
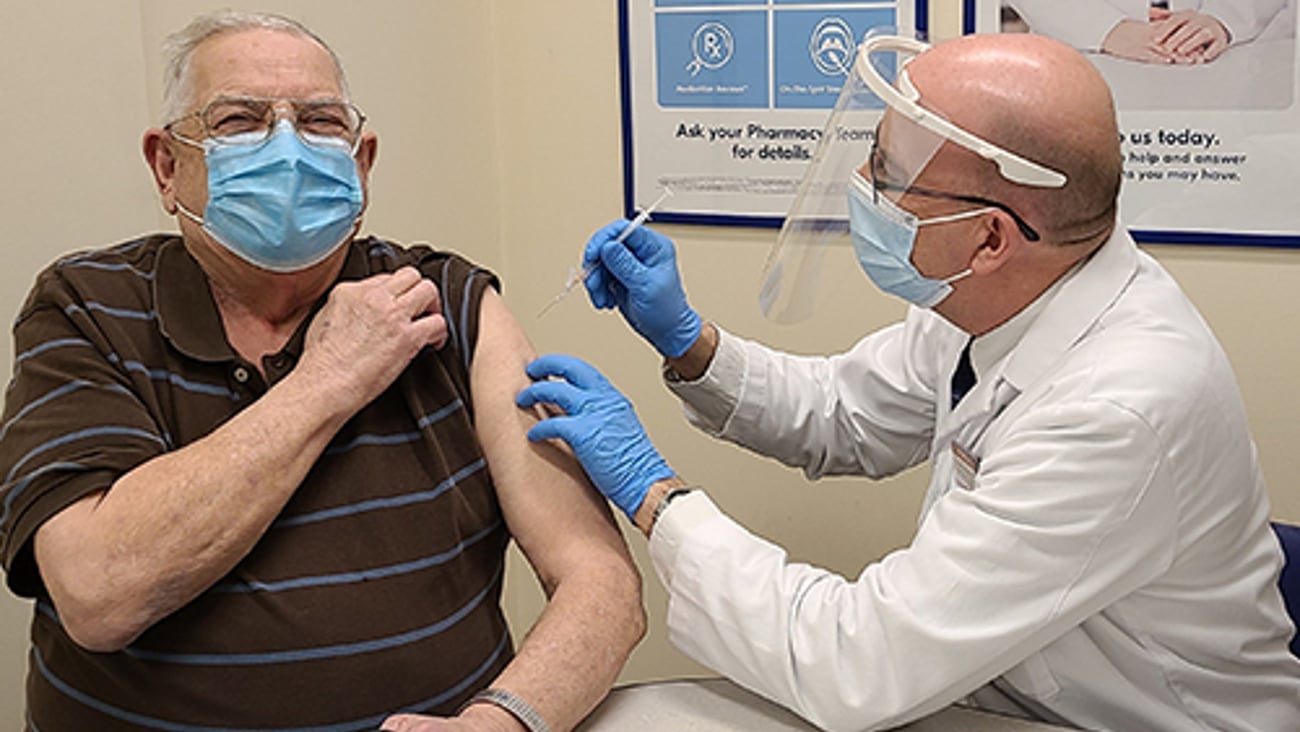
x: 72, y: 423
x: 1243, y: 19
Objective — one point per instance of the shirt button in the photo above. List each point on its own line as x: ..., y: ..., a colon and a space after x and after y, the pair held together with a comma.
x: 241, y: 374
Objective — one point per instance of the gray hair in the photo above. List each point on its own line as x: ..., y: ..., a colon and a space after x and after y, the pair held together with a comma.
x: 178, y: 50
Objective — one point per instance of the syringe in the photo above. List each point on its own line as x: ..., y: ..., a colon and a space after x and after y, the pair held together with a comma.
x: 575, y: 276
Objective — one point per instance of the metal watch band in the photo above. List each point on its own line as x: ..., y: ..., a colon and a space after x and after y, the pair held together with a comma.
x: 509, y: 701
x: 668, y: 498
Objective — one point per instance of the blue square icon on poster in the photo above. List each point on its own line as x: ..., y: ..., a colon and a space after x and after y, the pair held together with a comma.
x: 814, y: 50
x: 712, y: 60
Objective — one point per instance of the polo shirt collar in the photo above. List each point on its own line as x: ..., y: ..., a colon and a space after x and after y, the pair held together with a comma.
x: 187, y: 314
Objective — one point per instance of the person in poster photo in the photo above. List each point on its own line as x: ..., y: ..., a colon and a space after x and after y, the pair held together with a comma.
x: 1151, y: 31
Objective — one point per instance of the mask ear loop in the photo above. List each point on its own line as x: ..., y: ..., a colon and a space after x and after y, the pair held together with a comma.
x: 959, y: 276
x: 957, y: 217
x: 188, y: 213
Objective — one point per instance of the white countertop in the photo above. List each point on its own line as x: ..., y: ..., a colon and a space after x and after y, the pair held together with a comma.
x: 718, y: 705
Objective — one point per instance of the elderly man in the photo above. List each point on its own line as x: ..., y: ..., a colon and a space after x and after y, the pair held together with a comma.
x: 255, y: 477
x: 1094, y: 548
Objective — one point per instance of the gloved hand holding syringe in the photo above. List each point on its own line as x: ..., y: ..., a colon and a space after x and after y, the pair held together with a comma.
x: 576, y: 276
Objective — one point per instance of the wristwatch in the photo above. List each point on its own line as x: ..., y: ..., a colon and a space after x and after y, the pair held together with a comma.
x: 667, y: 499
x: 511, y: 702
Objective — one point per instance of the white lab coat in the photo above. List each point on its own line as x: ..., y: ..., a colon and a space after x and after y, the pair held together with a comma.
x: 1104, y: 558
x: 1085, y: 24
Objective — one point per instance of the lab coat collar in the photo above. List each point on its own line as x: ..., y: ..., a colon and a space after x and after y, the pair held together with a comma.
x: 1068, y: 312
x: 988, y: 350
x: 1010, y: 357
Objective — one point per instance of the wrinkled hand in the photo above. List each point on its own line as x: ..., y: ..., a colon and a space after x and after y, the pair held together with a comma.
x: 1135, y: 41
x: 465, y: 722
x: 369, y: 330
x: 640, y: 277
x: 1189, y: 37
x: 418, y: 723
x: 473, y: 718
x: 599, y: 424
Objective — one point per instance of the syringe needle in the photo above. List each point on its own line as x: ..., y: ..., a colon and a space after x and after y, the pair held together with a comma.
x: 582, y: 276
x: 554, y: 301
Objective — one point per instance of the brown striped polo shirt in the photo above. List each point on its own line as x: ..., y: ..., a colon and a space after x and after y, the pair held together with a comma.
x: 377, y: 589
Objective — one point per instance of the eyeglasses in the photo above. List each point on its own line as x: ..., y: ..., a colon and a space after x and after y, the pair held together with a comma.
x: 251, y: 120
x: 879, y: 179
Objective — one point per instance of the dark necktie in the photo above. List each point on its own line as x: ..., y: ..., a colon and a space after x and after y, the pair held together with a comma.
x: 963, y: 377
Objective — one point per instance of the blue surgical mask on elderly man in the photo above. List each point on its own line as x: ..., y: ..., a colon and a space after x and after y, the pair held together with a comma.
x: 280, y: 204
x: 883, y: 236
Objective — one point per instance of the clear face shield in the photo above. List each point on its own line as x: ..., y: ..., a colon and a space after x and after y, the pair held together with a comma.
x: 880, y: 139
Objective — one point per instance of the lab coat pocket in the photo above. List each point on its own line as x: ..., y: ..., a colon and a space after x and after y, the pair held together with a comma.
x: 1033, y: 678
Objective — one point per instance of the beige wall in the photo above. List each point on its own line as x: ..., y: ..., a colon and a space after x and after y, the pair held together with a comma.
x: 499, y: 129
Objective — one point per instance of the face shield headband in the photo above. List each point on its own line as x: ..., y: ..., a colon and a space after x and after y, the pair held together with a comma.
x: 877, y: 96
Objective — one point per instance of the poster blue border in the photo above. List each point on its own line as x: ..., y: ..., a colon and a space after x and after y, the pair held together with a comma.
x: 922, y: 20
x: 625, y: 102
x: 1215, y: 239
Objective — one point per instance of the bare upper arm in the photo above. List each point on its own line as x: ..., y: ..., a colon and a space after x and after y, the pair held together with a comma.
x: 560, y: 521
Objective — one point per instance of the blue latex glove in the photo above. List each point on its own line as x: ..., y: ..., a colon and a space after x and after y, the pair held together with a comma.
x: 600, y: 425
x: 640, y: 278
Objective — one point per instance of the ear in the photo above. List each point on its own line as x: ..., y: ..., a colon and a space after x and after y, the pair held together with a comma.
x: 365, y: 156
x: 367, y: 152
x: 1000, y: 238
x: 160, y: 157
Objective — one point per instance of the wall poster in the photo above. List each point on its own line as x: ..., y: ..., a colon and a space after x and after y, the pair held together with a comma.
x: 1209, y: 119
x: 724, y: 102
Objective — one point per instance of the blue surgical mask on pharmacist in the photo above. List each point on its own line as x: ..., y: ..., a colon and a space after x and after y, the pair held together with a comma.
x: 277, y: 201
x: 908, y: 135
x: 883, y: 236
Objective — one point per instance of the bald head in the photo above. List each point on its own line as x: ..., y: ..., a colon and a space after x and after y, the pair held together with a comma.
x: 1043, y: 101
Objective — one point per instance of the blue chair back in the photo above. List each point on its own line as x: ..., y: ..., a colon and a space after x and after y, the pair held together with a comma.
x: 1289, y: 583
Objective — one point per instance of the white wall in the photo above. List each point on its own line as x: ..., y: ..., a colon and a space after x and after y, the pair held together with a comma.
x: 499, y: 138
x: 71, y: 179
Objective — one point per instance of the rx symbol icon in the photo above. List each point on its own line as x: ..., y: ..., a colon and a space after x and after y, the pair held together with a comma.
x: 711, y: 47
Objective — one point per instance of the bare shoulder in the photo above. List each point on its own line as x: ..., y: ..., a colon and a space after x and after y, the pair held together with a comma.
x: 544, y: 493
x: 502, y: 350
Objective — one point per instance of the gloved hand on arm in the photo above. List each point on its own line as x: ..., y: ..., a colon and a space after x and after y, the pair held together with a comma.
x: 639, y: 276
x: 599, y: 424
